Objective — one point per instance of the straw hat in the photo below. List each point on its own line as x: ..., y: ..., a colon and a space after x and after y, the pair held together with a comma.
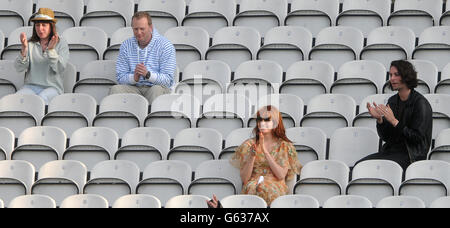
x: 44, y: 14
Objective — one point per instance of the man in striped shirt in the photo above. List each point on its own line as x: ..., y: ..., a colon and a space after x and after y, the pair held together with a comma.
x: 146, y: 62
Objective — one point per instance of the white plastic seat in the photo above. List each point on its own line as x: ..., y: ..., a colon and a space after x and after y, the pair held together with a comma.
x: 15, y: 14
x: 434, y: 45
x: 286, y: 45
x: 441, y: 112
x: 210, y: 15
x: 173, y: 112
x: 86, y: 44
x: 353, y: 143
x: 443, y: 85
x: 122, y: 112
x: 67, y: 12
x: 96, y: 79
x: 60, y: 179
x: 196, y: 145
x: 117, y: 38
x: 386, y: 44
x: 204, y: 79
x: 243, y: 201
x: 442, y: 202
x: 427, y: 180
x: 307, y: 79
x: 234, y: 140
x: 337, y: 45
x: 375, y: 179
x: 113, y: 179
x: 32, y: 201
x: 92, y: 145
x: 16, y: 179
x: 310, y: 143
x: 225, y: 113
x: 2, y: 41
x: 256, y: 78
x: 143, y: 146
x: 108, y: 15
x: 14, y: 45
x: 441, y: 150
x: 323, y: 179
x: 360, y: 79
x: 216, y: 177
x: 10, y: 80
x: 165, y: 179
x: 348, y: 201
x: 6, y: 143
x: 329, y: 112
x: 191, y: 44
x: 70, y: 112
x: 401, y: 202
x: 2, y: 205
x: 295, y: 201
x: 314, y: 15
x: 137, y: 201
x: 416, y: 14
x: 261, y: 14
x: 70, y: 77
x: 84, y: 201
x: 187, y: 201
x: 445, y: 18
x: 364, y: 119
x: 165, y: 14
x: 234, y: 45
x: 364, y: 15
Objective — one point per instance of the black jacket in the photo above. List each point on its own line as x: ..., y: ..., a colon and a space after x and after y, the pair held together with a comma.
x: 415, y: 127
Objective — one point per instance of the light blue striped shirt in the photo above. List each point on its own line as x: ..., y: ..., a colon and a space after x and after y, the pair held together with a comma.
x: 159, y: 58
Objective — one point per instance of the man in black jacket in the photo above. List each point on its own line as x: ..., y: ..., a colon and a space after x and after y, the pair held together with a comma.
x: 405, y: 123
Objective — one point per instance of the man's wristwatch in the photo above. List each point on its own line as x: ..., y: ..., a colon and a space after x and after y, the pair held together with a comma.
x: 147, y: 76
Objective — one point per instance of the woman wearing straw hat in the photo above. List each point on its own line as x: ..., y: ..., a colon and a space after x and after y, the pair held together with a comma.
x: 44, y: 57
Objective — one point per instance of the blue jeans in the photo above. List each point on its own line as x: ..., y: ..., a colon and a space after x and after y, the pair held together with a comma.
x: 45, y: 93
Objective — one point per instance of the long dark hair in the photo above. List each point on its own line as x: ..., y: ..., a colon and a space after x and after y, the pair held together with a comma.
x: 407, y: 72
x: 35, y: 37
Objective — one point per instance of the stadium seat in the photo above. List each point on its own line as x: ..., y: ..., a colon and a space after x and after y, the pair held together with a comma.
x: 434, y: 45
x: 2, y: 41
x: 347, y: 201
x: 143, y: 146
x: 375, y: 179
x: 84, y: 201
x: 137, y: 201
x: 234, y: 45
x: 364, y: 141
x: 295, y: 201
x: 360, y: 79
x: 21, y: 111
x: 86, y: 44
x: 216, y: 177
x: 401, y: 202
x: 307, y: 79
x: 108, y: 15
x: 365, y: 15
x: 39, y: 145
x: 445, y: 18
x: 443, y: 85
x: 243, y: 201
x: 32, y: 201
x: 6, y: 143
x: 2, y: 205
x: 10, y: 80
x: 286, y: 45
x: 337, y: 45
x: 122, y: 112
x: 196, y: 145
x: 70, y: 111
x: 442, y: 202
x: 113, y: 179
x: 69, y: 78
x: 204, y: 79
x: 364, y: 119
x: 15, y: 14
x: 225, y: 113
x: 187, y: 201
x: 117, y: 38
x: 441, y: 112
x: 234, y: 140
x: 165, y: 179
x: 96, y: 79
x: 329, y: 112
x: 427, y: 180
x: 92, y: 145
x: 16, y: 179
x: 60, y: 179
x: 13, y: 47
x: 191, y: 44
x: 314, y: 15
x: 173, y: 112
x: 210, y: 15
x: 386, y: 44
x: 67, y: 12
x: 310, y: 143
x: 165, y: 14
x: 261, y: 14
x: 441, y: 150
x: 417, y: 14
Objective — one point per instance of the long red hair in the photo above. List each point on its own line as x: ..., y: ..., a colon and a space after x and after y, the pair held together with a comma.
x: 271, y: 112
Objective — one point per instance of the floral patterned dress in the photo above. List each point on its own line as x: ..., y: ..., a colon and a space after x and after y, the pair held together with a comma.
x: 284, y: 154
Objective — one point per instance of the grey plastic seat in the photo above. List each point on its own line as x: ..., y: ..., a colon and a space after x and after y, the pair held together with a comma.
x: 137, y: 201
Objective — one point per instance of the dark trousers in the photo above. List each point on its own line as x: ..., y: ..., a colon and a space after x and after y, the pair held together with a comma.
x: 401, y: 157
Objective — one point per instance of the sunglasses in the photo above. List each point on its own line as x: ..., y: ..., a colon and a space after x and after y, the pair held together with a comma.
x: 259, y: 119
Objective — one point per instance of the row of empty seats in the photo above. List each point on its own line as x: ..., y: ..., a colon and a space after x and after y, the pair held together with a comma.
x: 375, y: 180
